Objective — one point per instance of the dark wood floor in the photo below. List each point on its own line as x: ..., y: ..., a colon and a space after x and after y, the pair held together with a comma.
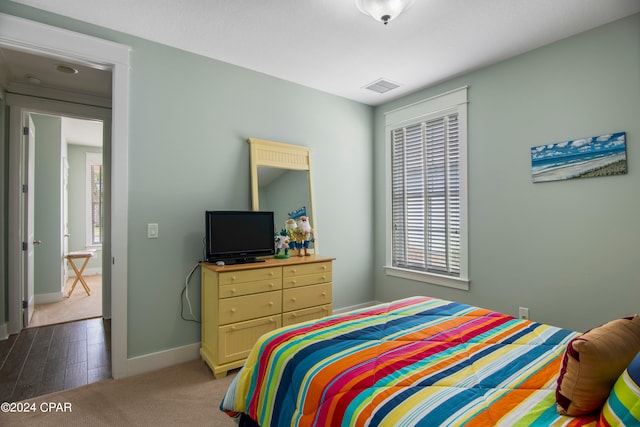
x: 50, y: 358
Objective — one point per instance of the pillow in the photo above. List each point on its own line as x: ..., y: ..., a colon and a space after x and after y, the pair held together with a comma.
x: 622, y: 408
x: 593, y: 362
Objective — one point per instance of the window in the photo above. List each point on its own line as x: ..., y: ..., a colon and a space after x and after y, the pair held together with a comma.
x: 95, y: 196
x: 426, y: 217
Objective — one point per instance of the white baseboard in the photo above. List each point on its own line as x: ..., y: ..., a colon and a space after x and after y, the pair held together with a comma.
x: 162, y: 359
x: 355, y: 307
x: 48, y: 298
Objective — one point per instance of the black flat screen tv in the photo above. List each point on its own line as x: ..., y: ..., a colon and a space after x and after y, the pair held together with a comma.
x: 235, y: 237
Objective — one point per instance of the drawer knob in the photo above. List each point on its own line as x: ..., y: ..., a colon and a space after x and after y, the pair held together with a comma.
x: 271, y: 273
x: 294, y: 271
x: 293, y: 282
x: 324, y: 267
x: 293, y: 299
x: 233, y: 277
x: 233, y: 291
x: 324, y: 277
x: 270, y: 303
x: 324, y: 294
x: 233, y: 328
x: 271, y: 285
x: 233, y: 310
x: 272, y: 320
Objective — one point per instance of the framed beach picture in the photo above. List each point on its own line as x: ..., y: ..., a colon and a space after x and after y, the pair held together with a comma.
x: 603, y: 155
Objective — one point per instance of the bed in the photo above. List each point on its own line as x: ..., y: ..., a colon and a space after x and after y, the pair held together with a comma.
x: 419, y: 361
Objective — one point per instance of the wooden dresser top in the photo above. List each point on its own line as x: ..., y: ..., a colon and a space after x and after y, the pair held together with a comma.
x: 268, y: 262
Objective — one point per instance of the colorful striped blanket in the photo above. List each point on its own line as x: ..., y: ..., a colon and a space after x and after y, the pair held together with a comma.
x: 414, y: 362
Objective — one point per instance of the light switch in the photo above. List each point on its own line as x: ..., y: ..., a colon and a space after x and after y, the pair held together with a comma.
x: 152, y: 231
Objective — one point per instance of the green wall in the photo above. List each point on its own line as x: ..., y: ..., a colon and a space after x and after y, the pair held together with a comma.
x: 77, y: 195
x: 566, y: 250
x: 190, y: 118
x: 190, y: 154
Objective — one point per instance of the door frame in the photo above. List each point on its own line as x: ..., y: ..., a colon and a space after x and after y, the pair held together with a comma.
x: 21, y: 108
x: 45, y: 40
x: 28, y: 156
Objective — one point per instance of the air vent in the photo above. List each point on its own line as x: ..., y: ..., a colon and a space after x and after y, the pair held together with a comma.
x: 381, y: 86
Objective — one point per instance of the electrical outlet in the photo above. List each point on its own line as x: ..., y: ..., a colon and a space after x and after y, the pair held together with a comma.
x: 523, y: 312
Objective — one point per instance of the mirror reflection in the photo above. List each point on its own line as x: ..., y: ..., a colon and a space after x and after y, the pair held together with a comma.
x: 281, y: 182
x: 285, y: 192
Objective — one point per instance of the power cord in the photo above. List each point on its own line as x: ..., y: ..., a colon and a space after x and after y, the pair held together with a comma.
x: 185, y: 295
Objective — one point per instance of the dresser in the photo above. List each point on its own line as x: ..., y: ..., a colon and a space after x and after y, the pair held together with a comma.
x: 242, y: 302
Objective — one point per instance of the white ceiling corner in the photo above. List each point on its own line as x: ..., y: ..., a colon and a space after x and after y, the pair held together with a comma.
x: 82, y: 132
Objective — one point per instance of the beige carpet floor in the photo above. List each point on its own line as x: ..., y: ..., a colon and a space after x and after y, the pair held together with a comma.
x: 78, y: 306
x: 181, y: 395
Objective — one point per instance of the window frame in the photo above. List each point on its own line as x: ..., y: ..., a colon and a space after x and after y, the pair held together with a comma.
x: 92, y: 159
x: 455, y: 102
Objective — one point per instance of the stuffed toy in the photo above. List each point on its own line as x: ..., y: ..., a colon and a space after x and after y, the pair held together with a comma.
x: 304, y: 235
x: 282, y: 243
x: 292, y: 230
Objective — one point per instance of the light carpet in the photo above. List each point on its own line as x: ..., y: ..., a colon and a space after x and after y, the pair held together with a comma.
x: 184, y: 394
x: 78, y: 306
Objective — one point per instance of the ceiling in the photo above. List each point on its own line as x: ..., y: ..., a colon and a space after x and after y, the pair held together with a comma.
x: 330, y: 45
x: 82, y: 132
x: 22, y: 68
x: 26, y: 69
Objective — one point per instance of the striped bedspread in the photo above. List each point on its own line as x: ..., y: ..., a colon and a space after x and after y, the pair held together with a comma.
x: 414, y: 362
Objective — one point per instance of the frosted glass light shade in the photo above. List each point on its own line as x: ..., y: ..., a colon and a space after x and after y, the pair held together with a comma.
x: 383, y: 10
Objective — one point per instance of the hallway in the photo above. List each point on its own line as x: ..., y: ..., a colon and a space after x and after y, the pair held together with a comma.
x: 51, y: 358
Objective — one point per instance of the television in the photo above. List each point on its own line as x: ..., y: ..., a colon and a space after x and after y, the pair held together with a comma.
x: 234, y: 237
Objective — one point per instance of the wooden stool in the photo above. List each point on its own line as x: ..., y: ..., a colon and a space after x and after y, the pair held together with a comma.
x: 71, y: 256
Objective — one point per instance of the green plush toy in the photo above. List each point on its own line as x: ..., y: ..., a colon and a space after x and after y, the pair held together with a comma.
x: 282, y: 244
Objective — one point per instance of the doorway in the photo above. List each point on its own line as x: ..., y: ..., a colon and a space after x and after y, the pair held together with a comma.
x: 68, y: 219
x: 59, y: 44
x: 68, y: 172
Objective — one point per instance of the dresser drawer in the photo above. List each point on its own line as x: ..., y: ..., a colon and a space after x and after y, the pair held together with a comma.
x: 307, y: 296
x: 232, y: 277
x: 248, y: 307
x: 305, y: 314
x: 302, y: 269
x: 247, y: 288
x: 235, y: 341
x: 307, y: 279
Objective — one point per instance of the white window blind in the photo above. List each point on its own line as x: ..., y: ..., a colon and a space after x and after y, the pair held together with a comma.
x: 426, y: 196
x: 94, y: 199
x: 427, y: 181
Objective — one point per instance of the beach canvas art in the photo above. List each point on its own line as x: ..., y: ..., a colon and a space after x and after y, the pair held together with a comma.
x: 603, y: 155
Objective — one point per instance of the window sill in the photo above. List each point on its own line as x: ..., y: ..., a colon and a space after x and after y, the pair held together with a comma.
x: 434, y: 279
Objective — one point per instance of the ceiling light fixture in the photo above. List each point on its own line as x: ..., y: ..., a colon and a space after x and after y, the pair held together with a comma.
x: 383, y: 10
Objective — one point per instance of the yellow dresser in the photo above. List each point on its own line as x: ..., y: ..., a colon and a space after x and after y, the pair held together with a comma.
x: 242, y: 302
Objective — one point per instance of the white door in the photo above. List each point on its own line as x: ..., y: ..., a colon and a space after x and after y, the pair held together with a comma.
x: 65, y: 217
x: 28, y: 209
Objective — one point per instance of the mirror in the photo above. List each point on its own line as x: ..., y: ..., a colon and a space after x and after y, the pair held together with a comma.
x: 281, y: 182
